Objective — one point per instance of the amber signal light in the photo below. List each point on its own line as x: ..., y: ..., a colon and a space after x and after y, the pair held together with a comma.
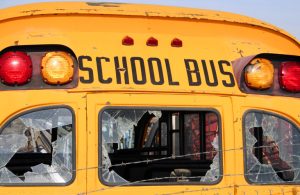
x: 259, y: 74
x: 57, y: 68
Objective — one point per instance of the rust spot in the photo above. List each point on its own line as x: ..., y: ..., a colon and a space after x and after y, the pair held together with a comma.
x: 35, y: 35
x: 246, y: 42
x: 191, y: 15
x: 104, y: 4
x: 240, y: 52
x: 107, y: 103
x: 16, y: 42
x: 60, y: 9
x: 149, y: 13
x: 31, y: 11
x: 89, y: 10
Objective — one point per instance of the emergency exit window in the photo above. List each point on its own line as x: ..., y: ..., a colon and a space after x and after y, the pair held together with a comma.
x: 154, y: 146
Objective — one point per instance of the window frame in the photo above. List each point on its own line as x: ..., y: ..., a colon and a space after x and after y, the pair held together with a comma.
x: 156, y: 108
x: 271, y: 113
x: 36, y: 109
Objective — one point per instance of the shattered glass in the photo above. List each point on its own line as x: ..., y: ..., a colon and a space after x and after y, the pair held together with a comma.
x: 40, y: 174
x: 280, y: 157
x: 109, y: 176
x: 44, y: 120
x: 7, y: 176
x: 46, y: 174
x: 9, y: 145
x: 62, y: 151
x: 33, y: 134
x: 213, y: 174
x: 118, y: 128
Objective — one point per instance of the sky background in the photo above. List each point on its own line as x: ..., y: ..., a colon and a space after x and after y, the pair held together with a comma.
x: 284, y: 14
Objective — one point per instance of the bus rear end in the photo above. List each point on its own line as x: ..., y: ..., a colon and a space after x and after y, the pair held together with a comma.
x: 106, y: 98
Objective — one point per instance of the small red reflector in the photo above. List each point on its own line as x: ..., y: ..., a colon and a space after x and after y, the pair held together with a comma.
x: 289, y: 76
x: 176, y: 43
x: 152, y: 42
x: 15, y: 68
x: 127, y: 41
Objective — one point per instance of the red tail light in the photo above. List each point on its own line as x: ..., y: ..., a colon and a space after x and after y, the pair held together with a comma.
x: 289, y: 76
x: 15, y: 68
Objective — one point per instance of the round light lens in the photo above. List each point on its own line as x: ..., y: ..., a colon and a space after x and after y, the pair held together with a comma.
x: 15, y: 68
x: 259, y: 74
x: 289, y: 76
x: 57, y: 68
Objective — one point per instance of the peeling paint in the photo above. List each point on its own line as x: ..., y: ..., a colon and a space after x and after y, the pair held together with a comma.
x: 89, y: 10
x: 239, y: 51
x: 31, y: 11
x: 191, y: 15
x: 104, y: 4
x: 35, y: 35
x: 136, y: 10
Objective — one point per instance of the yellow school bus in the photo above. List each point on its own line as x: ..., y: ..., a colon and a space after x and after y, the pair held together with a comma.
x: 108, y: 98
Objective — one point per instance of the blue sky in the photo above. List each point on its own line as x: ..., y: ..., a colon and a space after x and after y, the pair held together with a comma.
x: 284, y: 14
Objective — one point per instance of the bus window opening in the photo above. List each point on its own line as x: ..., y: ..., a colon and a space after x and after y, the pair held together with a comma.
x: 37, y: 147
x: 159, y: 146
x: 271, y: 144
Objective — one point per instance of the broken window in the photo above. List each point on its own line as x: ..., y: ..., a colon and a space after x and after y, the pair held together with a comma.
x: 273, y: 155
x: 159, y: 146
x: 36, y: 147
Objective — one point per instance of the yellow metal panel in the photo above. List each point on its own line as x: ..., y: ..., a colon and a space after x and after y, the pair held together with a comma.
x: 15, y: 102
x: 209, y: 42
x: 121, y: 9
x: 94, y: 30
x: 96, y: 102
x: 274, y: 105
